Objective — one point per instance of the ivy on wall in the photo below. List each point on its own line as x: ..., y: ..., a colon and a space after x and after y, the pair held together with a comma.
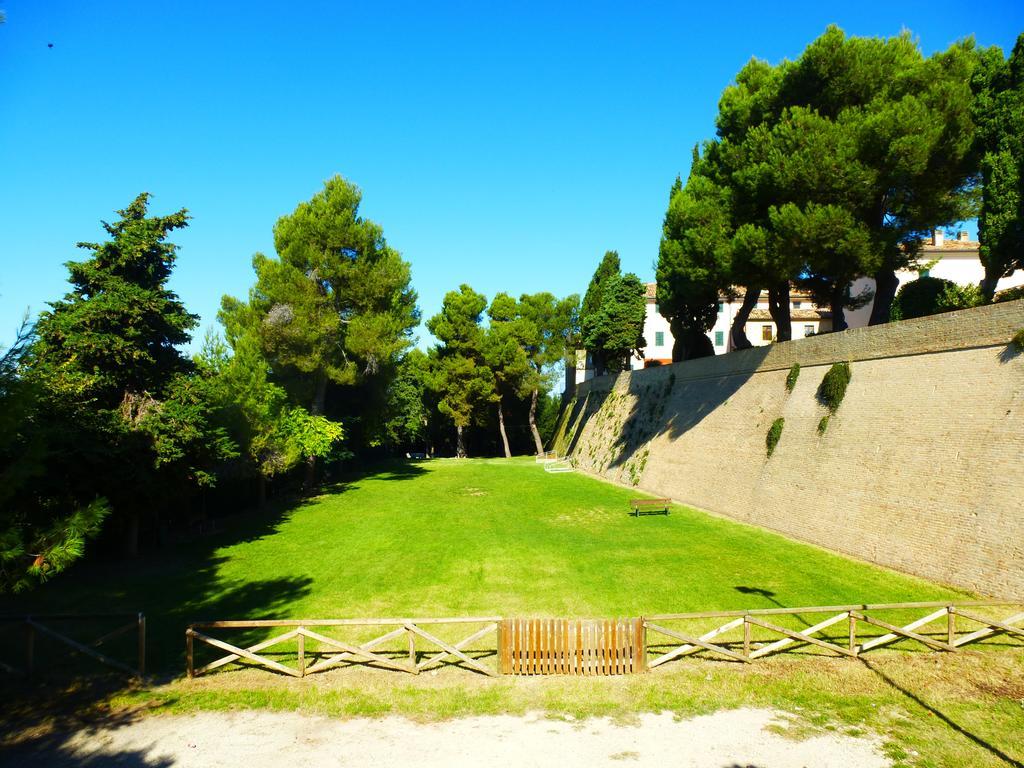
x: 833, y: 386
x: 774, y: 433
x: 794, y: 374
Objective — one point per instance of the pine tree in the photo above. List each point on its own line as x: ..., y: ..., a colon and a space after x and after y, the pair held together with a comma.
x: 463, y: 381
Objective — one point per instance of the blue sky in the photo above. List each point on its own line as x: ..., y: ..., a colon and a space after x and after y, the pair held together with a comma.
x: 503, y: 145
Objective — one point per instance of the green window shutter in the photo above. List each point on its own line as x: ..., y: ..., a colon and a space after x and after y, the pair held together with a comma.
x: 719, y: 338
x: 659, y: 338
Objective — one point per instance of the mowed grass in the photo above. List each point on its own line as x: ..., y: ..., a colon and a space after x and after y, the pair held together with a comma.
x: 449, y: 538
x: 494, y: 537
x: 472, y: 537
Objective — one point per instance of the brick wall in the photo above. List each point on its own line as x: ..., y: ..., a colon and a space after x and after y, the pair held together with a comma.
x: 921, y: 468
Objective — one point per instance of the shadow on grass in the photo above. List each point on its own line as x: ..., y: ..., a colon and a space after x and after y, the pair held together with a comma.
x: 953, y: 725
x: 39, y: 730
x: 768, y: 595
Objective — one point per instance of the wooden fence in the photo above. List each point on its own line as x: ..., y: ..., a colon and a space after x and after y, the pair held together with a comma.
x: 332, y: 652
x: 36, y: 626
x: 612, y: 646
x: 571, y: 646
x: 762, y: 636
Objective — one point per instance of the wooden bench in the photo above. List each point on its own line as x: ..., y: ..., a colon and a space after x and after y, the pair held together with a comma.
x: 649, y: 506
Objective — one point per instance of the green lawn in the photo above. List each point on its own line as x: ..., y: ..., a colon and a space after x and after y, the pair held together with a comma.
x: 477, y: 537
x: 491, y: 537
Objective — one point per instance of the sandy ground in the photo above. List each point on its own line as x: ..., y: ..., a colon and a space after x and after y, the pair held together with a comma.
x: 256, y: 739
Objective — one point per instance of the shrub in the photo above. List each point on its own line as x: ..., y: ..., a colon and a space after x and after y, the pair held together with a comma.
x: 833, y: 386
x: 932, y: 295
x: 1010, y: 294
x: 1017, y: 342
x: 823, y: 424
x: 794, y: 374
x: 774, y: 433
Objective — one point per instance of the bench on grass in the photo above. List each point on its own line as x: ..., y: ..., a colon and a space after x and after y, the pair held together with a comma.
x: 649, y: 506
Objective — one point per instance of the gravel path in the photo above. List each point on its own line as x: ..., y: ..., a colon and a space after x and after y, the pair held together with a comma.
x: 259, y: 739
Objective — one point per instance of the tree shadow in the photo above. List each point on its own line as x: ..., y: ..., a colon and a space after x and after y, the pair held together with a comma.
x: 910, y: 695
x: 670, y: 399
x: 39, y: 731
x: 770, y: 597
x: 1010, y: 352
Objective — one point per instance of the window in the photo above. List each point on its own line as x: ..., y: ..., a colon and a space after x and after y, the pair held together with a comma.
x: 924, y: 272
x: 797, y: 304
x: 766, y: 333
x: 808, y: 330
x: 719, y: 338
x: 659, y: 338
x: 721, y: 306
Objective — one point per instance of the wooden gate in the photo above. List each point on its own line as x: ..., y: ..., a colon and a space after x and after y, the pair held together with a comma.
x: 572, y: 646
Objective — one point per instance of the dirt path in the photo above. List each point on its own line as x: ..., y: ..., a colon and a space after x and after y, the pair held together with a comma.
x: 256, y: 739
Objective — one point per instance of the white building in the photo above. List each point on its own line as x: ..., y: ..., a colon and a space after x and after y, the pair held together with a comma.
x: 953, y: 259
x: 956, y: 260
x: 808, y: 320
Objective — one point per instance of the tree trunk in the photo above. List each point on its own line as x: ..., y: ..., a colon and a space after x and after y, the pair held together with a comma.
x: 262, y: 491
x: 886, y: 284
x: 537, y: 442
x: 678, y: 330
x: 460, y: 448
x: 501, y: 428
x: 736, y: 333
x: 316, y: 409
x: 778, y: 306
x: 838, y: 307
x: 989, y: 283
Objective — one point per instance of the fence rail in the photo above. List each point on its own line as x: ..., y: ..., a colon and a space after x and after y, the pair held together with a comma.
x: 40, y: 625
x: 608, y: 646
x: 345, y: 652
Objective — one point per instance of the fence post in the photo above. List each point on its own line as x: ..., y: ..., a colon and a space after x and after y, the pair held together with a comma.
x: 499, y: 637
x: 746, y: 636
x: 853, y: 633
x: 30, y: 648
x: 188, y: 653
x: 302, y: 654
x: 950, y: 624
x: 142, y: 645
x: 412, y: 651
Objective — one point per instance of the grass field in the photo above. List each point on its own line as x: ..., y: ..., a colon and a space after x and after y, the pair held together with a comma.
x: 479, y: 537
x: 449, y: 538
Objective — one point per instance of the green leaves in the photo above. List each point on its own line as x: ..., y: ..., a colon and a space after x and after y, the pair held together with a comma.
x: 117, y: 330
x: 612, y: 317
x: 999, y: 114
x: 337, y: 300
x: 825, y: 169
x: 460, y: 376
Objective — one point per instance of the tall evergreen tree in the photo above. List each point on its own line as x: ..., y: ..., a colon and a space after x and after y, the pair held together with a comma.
x: 592, y: 300
x: 136, y: 428
x: 336, y: 304
x: 461, y: 378
x: 694, y: 261
x: 549, y: 328
x: 999, y: 114
x: 504, y: 354
x: 616, y: 330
